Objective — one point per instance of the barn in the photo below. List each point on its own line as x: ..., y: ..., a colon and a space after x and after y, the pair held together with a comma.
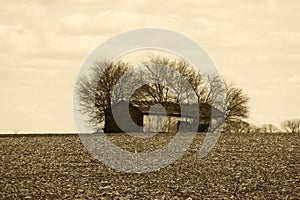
x: 147, y: 119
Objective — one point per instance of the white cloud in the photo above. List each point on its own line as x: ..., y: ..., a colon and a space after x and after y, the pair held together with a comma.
x: 255, y: 44
x: 17, y: 39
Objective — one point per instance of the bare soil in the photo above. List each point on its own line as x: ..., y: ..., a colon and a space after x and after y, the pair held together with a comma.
x: 257, y: 166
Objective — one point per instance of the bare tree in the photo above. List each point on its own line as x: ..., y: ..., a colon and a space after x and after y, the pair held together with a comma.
x: 99, y: 89
x: 157, y: 72
x: 172, y: 78
x: 208, y: 88
x: 291, y: 126
x: 253, y: 129
x: 168, y: 80
x: 175, y: 76
x: 236, y: 104
x: 193, y: 77
x: 214, y: 88
x: 269, y: 128
x: 237, y: 126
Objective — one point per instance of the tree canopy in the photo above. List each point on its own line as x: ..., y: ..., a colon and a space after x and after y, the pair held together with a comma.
x: 166, y: 81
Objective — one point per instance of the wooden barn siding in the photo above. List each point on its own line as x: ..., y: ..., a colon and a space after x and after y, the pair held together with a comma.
x: 112, y: 127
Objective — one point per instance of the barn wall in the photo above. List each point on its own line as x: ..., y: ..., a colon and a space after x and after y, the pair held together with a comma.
x: 125, y: 121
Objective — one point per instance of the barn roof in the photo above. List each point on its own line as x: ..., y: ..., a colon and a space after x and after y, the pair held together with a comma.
x: 174, y: 109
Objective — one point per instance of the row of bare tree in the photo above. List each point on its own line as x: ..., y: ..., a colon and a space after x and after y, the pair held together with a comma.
x: 159, y: 79
x: 288, y: 126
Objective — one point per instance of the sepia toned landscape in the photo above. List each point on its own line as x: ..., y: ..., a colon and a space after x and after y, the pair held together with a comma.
x: 150, y: 99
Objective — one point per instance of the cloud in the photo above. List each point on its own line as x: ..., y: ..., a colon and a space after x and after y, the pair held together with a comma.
x: 16, y: 39
x: 254, y: 43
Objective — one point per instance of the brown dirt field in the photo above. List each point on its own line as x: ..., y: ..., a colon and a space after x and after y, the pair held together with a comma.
x: 257, y: 166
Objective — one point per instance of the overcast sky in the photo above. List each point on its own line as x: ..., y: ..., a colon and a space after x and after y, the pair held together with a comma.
x: 255, y: 44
